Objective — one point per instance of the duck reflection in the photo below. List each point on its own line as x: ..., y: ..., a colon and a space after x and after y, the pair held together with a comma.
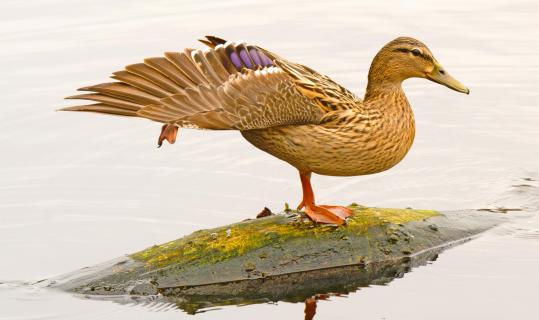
x: 310, y: 304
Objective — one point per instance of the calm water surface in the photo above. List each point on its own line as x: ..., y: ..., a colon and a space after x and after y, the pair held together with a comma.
x: 79, y: 189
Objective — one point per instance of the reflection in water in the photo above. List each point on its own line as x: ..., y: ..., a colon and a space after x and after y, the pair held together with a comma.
x: 310, y: 304
x: 302, y: 287
x: 310, y: 307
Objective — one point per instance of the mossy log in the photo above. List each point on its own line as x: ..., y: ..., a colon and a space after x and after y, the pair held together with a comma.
x: 282, y: 257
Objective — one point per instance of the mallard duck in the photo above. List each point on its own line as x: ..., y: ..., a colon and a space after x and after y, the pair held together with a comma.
x: 283, y: 108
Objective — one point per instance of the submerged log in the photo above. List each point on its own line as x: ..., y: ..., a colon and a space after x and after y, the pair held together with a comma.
x: 282, y: 257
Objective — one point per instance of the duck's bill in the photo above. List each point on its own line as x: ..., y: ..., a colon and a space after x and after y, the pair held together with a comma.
x: 439, y: 75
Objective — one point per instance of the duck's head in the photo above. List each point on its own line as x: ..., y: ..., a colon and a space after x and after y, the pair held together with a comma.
x: 405, y: 58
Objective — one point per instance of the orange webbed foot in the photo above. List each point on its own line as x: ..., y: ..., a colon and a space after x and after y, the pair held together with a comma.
x: 326, y: 210
x: 328, y: 214
x: 340, y: 211
x: 168, y: 132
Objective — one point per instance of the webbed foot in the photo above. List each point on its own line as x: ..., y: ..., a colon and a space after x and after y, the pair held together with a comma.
x: 328, y: 214
x: 168, y: 132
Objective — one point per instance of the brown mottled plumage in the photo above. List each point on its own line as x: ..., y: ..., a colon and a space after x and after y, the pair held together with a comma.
x: 281, y: 107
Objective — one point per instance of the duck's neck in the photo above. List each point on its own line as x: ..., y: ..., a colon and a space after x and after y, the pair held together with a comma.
x: 376, y: 91
x: 386, y: 97
x: 384, y: 82
x: 390, y: 112
x: 385, y: 100
x: 381, y: 83
x: 387, y: 107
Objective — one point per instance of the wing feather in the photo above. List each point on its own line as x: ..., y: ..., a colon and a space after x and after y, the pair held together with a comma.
x: 168, y: 69
x: 140, y: 83
x: 228, y: 86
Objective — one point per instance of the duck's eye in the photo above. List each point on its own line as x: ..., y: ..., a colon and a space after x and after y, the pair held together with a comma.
x: 416, y: 52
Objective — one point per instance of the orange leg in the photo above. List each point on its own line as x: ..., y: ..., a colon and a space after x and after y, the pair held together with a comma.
x: 322, y: 213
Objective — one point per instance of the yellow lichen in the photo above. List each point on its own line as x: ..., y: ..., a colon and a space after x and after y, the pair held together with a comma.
x: 213, y: 245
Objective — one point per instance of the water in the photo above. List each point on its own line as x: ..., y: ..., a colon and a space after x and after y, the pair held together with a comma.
x: 79, y: 189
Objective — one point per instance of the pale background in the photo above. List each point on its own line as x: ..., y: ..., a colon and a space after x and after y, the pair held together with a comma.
x: 79, y: 189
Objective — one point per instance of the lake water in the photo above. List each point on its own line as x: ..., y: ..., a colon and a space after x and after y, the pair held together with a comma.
x: 79, y: 189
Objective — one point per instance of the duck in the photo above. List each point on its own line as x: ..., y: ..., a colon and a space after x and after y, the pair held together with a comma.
x: 284, y: 108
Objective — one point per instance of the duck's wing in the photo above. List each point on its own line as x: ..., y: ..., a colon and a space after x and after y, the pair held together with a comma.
x: 228, y: 86
x: 328, y: 94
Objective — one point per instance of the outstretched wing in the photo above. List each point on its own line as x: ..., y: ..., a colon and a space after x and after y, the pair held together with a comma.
x: 228, y: 86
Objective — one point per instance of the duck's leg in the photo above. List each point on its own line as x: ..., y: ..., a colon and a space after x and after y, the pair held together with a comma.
x: 320, y: 214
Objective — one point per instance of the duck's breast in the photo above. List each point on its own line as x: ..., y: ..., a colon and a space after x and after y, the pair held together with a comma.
x: 338, y: 150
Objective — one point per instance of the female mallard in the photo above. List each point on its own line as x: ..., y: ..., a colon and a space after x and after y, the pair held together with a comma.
x: 284, y: 108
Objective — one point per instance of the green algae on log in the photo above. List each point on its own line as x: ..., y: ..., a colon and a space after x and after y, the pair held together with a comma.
x: 214, y: 245
x: 226, y: 261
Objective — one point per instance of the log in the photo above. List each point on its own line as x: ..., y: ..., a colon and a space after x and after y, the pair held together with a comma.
x: 282, y: 257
